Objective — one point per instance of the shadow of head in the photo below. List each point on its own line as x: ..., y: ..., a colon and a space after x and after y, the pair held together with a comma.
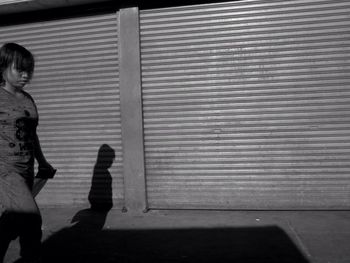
x: 100, y: 195
x: 105, y: 157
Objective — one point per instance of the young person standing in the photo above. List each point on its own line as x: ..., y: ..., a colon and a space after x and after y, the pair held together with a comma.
x: 19, y: 147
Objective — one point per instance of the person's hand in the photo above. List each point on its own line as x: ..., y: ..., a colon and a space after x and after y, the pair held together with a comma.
x: 45, y: 171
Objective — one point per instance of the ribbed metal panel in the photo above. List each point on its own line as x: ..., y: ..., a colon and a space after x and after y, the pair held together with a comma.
x: 76, y: 88
x: 247, y: 105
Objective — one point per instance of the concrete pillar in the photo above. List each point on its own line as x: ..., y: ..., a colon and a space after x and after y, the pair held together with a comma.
x: 131, y: 110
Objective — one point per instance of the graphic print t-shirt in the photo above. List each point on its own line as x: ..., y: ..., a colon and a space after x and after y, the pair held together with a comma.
x: 18, y: 121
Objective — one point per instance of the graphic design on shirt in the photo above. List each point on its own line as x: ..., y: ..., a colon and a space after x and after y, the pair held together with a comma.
x: 24, y: 134
x: 4, y: 133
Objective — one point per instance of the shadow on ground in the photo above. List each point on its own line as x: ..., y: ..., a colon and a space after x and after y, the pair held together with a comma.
x: 87, y: 241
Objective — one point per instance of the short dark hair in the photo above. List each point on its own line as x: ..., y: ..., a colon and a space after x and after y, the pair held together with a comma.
x: 22, y: 58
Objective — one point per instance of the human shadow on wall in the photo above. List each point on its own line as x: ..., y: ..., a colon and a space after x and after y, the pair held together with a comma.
x: 100, y: 195
x: 100, y: 198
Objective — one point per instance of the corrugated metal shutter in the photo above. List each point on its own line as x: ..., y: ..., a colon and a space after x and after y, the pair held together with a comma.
x: 76, y: 88
x: 247, y: 105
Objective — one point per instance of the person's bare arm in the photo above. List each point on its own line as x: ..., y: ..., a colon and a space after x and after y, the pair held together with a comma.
x: 39, y: 156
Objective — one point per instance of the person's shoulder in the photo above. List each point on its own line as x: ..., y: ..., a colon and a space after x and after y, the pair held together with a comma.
x: 28, y: 96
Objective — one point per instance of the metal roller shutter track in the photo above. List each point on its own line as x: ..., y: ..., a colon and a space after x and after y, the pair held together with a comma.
x: 247, y: 105
x: 76, y: 88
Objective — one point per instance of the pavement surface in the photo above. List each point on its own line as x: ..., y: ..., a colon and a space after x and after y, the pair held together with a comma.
x: 82, y: 235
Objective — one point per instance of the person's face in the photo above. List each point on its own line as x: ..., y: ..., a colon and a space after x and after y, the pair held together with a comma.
x: 15, y: 78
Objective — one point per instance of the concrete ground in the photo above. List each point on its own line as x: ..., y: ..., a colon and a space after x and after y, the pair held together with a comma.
x: 81, y: 235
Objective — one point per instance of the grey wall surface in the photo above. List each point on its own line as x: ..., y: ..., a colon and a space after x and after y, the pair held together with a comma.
x: 246, y: 105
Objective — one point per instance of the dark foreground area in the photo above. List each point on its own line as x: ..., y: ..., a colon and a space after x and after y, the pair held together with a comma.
x: 72, y: 235
x: 86, y: 241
